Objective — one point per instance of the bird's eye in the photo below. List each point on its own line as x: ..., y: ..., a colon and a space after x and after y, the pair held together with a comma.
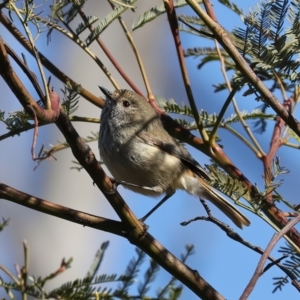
x: 126, y: 103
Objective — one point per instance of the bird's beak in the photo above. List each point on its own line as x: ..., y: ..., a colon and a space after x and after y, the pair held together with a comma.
x: 106, y: 92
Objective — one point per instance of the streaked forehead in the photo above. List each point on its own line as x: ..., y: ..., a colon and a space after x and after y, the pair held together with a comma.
x: 126, y: 94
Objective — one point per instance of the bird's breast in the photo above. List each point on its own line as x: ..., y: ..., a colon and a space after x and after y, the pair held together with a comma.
x: 141, y: 164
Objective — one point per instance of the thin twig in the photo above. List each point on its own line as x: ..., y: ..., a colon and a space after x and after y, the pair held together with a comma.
x: 137, y: 55
x: 110, y: 56
x: 259, y: 269
x: 64, y: 265
x: 224, y: 39
x: 26, y: 70
x: 15, y: 279
x: 205, y: 33
x: 259, y: 152
x: 241, y: 137
x: 275, y: 144
x: 27, y: 127
x: 36, y: 54
x: 213, y: 133
x: 170, y: 9
x: 72, y: 36
x: 48, y: 64
x: 236, y: 237
x: 24, y: 270
x: 211, y: 13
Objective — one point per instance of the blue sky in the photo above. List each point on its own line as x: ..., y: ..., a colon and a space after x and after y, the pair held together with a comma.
x: 225, y: 264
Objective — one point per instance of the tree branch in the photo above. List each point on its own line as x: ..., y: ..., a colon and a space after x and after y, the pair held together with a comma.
x: 223, y: 38
x: 135, y: 230
x: 59, y: 211
x: 48, y: 64
x: 259, y: 269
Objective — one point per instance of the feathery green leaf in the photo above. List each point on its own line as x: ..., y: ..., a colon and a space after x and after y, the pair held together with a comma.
x: 83, y: 26
x: 113, y: 15
x: 154, y: 12
x: 232, y: 6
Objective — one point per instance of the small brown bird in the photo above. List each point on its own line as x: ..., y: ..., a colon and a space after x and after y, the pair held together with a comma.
x: 137, y: 150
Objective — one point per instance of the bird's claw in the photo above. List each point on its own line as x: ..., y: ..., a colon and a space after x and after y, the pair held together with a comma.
x: 115, y: 184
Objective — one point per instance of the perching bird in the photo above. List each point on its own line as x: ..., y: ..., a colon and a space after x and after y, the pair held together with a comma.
x: 137, y: 150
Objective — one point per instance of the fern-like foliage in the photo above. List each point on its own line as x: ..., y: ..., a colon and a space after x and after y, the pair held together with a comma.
x: 131, y: 272
x: 70, y: 100
x: 149, y: 277
x: 292, y: 264
x: 103, y: 286
x: 154, y: 12
x: 208, y: 120
x: 170, y: 286
x: 270, y: 45
x: 208, y: 55
x: 201, y: 51
x: 269, y: 42
x: 33, y: 291
x: 227, y: 185
x: 253, y: 115
x: 16, y: 121
x: 4, y: 223
x: 232, y: 6
x: 117, y: 11
x: 84, y: 288
x: 277, y: 169
x: 98, y: 259
x: 67, y: 10
x: 83, y: 26
x: 46, y: 153
x: 271, y: 184
x: 194, y: 20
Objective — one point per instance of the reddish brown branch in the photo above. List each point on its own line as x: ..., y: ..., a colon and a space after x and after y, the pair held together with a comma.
x: 213, y: 151
x: 26, y: 70
x: 172, y: 18
x: 209, y: 9
x: 284, y: 111
x: 260, y: 267
x: 132, y: 228
x: 268, y: 206
x: 171, y: 126
x: 48, y: 64
x: 236, y: 237
x: 111, y: 57
x: 224, y: 39
x: 20, y: 91
x: 276, y: 141
x: 59, y: 211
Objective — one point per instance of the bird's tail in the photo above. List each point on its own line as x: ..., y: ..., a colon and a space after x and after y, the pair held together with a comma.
x: 195, y: 185
x: 225, y: 206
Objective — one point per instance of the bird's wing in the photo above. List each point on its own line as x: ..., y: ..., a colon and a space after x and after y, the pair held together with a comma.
x: 175, y: 149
